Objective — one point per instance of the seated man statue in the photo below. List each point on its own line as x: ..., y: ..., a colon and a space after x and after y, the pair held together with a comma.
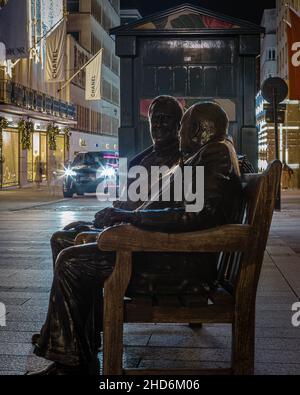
x: 165, y: 114
x: 70, y: 335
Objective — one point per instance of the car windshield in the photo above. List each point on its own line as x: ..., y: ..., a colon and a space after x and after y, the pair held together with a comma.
x: 78, y: 160
x: 96, y: 159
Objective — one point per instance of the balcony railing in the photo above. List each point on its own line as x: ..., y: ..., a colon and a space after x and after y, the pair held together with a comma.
x: 30, y: 99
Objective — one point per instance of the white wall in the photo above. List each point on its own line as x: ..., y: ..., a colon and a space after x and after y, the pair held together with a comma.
x: 92, y: 143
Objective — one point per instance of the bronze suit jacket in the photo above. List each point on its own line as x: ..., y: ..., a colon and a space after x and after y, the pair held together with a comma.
x: 192, y: 272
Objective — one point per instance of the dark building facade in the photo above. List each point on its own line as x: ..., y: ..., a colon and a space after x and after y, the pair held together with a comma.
x: 194, y: 55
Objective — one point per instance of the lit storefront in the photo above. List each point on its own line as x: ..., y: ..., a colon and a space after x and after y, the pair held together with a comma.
x: 16, y: 161
x: 289, y: 138
x: 18, y: 165
x: 9, y: 158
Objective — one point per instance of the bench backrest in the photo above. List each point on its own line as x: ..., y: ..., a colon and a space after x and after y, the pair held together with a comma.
x: 259, y: 194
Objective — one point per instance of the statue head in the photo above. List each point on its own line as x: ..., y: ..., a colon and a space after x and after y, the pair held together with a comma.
x: 202, y: 123
x: 165, y: 115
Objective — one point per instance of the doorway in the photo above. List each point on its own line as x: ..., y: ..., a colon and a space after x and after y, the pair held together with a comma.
x: 38, y: 152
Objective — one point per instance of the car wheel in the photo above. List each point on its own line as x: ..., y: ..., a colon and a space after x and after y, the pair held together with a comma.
x: 68, y: 194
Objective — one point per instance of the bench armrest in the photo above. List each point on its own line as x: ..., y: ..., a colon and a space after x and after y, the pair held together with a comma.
x: 225, y: 238
x: 86, y: 237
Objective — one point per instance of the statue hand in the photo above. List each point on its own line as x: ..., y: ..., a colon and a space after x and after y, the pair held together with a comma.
x: 112, y: 217
x: 82, y: 224
x: 99, y: 218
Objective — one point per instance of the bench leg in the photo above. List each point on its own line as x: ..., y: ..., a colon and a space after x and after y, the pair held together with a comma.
x: 243, y: 344
x: 114, y: 292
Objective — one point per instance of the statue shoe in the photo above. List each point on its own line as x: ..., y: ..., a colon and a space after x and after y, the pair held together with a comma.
x: 47, y: 371
x: 35, y: 339
x: 56, y: 369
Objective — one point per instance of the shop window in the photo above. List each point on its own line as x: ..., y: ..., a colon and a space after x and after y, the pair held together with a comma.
x: 59, y: 153
x: 30, y: 163
x: 10, y: 155
x: 37, y: 157
x: 43, y: 154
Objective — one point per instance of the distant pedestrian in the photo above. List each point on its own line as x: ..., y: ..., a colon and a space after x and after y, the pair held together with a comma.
x: 287, y: 175
x: 54, y: 179
x: 38, y: 172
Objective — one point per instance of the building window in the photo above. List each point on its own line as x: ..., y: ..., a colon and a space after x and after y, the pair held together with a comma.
x: 107, y: 57
x: 75, y: 35
x: 106, y: 22
x: 96, y: 122
x: 116, y: 5
x: 115, y: 126
x: 73, y: 5
x: 106, y: 124
x: 115, y: 65
x: 115, y: 95
x: 271, y: 54
x: 96, y: 45
x: 106, y: 90
x: 97, y: 11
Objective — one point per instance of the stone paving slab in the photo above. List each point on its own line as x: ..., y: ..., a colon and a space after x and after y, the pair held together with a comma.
x: 181, y: 364
x: 21, y: 326
x: 275, y: 369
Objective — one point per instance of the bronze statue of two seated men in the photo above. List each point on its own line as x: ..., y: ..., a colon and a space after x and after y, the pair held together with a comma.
x: 70, y: 336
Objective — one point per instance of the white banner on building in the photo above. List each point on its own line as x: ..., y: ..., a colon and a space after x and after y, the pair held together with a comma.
x: 2, y: 54
x: 55, y: 54
x: 93, y: 78
x: 14, y: 29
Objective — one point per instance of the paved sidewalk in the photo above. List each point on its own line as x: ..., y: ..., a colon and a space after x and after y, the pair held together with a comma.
x: 21, y: 198
x: 26, y: 275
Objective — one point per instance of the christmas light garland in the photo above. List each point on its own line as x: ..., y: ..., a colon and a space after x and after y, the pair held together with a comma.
x: 3, y: 125
x: 26, y: 129
x: 53, y: 131
x: 67, y: 138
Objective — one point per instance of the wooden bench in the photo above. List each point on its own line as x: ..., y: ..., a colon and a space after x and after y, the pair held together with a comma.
x: 241, y: 247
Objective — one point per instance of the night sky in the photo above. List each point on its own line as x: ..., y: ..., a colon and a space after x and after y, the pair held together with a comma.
x: 250, y: 10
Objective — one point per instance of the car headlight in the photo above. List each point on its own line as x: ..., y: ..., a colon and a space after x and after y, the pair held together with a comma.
x: 107, y: 172
x: 70, y: 172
